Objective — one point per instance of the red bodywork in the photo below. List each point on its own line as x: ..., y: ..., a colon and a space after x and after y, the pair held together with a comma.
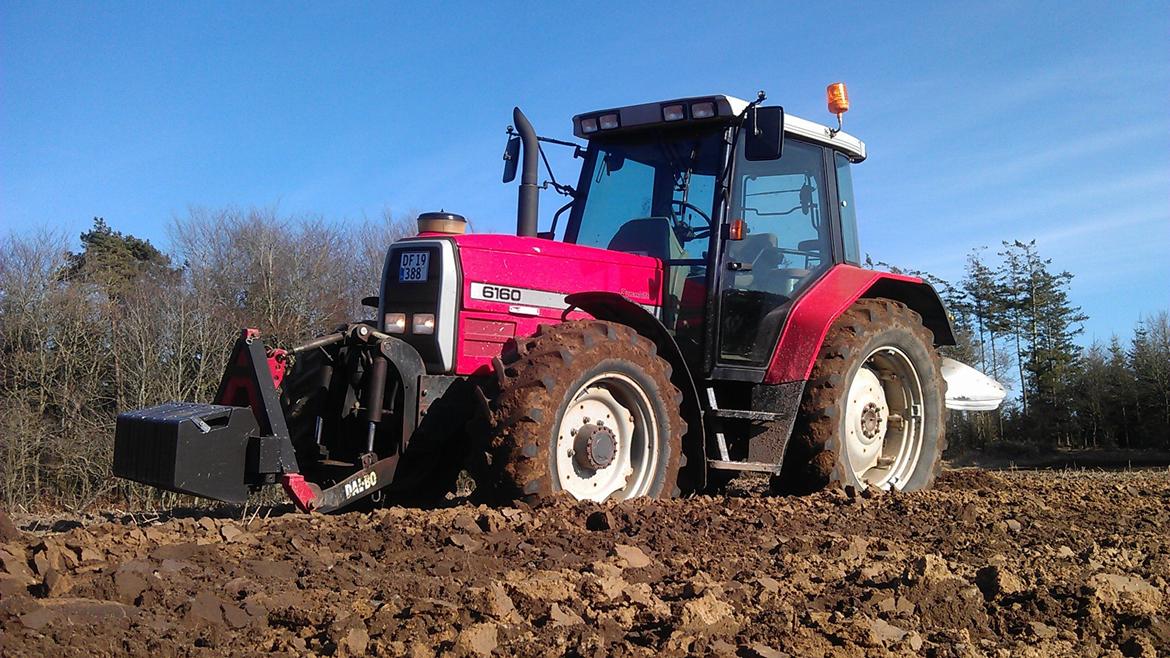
x: 485, y: 326
x: 543, y: 265
x: 813, y: 314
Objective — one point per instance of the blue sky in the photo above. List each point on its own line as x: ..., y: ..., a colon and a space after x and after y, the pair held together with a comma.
x: 984, y: 121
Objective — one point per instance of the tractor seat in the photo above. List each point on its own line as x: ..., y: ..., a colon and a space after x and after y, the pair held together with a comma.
x: 809, y: 245
x: 649, y: 236
x: 771, y: 275
x: 749, y: 249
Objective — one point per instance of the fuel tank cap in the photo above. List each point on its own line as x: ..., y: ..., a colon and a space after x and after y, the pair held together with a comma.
x: 442, y: 222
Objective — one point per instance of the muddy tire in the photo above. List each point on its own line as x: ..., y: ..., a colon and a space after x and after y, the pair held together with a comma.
x: 586, y: 408
x: 873, y: 411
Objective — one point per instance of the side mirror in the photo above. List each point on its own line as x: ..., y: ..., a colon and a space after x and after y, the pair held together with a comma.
x: 511, y: 158
x: 764, y: 133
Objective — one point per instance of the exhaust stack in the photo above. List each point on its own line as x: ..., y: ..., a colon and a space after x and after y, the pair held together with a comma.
x: 528, y: 202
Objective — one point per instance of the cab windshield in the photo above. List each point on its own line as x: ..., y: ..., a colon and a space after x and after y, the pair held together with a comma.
x: 650, y: 193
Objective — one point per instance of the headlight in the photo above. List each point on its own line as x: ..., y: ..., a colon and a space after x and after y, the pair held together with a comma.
x: 395, y: 323
x: 589, y: 125
x: 422, y: 323
x: 608, y: 121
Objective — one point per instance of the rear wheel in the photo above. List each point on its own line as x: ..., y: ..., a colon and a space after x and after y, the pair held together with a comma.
x: 587, y: 408
x: 873, y: 412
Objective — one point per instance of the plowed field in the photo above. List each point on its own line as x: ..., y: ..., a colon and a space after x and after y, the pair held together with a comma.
x: 986, y: 564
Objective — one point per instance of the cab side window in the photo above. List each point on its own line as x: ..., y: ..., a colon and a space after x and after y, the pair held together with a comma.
x: 782, y: 202
x: 848, y: 210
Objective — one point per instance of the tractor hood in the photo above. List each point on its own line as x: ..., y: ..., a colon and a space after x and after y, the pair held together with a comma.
x: 487, y: 289
x: 554, y: 269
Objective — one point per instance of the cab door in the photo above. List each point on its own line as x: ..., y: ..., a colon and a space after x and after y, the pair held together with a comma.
x: 788, y: 243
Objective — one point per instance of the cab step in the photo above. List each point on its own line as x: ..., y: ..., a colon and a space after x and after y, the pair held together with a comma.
x: 745, y: 414
x: 767, y: 442
x: 755, y: 467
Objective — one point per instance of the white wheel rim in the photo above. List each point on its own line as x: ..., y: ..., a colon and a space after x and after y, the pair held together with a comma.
x: 615, y: 403
x: 883, y: 420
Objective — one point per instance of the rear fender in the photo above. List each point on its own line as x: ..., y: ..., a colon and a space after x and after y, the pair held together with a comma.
x: 815, y: 311
x: 922, y: 298
x: 612, y: 307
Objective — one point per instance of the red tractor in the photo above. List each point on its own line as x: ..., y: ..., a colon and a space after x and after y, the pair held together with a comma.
x: 704, y: 314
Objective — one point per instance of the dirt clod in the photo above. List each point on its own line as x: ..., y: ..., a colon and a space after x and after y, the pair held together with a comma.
x: 632, y: 556
x: 8, y: 530
x: 996, y: 581
x: 704, y: 612
x: 599, y: 520
x: 1128, y: 593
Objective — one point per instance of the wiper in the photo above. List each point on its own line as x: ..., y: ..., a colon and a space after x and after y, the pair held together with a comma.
x: 686, y: 182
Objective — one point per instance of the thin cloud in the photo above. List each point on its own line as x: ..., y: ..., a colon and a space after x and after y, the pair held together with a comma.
x: 1065, y: 244
x: 1015, y: 167
x: 1055, y: 204
x: 1099, y: 224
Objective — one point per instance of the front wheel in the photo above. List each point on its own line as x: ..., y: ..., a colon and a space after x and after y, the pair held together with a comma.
x: 586, y: 408
x: 873, y: 412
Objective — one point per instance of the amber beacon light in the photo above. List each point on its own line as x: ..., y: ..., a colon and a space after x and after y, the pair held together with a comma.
x: 838, y: 97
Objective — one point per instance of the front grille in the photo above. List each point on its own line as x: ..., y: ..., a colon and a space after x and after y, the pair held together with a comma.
x: 415, y: 297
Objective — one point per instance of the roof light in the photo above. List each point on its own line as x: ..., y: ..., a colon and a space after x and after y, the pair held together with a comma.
x: 704, y: 110
x: 589, y: 125
x: 838, y: 98
x: 608, y: 121
x: 674, y: 112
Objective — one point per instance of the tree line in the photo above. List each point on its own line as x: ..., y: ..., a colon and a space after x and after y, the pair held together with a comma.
x: 1014, y: 320
x: 120, y: 325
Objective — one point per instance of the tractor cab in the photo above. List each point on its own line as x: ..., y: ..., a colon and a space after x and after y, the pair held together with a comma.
x: 745, y: 206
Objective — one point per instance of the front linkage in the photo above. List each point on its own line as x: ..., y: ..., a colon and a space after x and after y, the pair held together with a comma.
x: 221, y: 451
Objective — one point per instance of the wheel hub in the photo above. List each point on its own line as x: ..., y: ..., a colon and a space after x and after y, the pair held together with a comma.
x: 594, y: 447
x: 871, y: 420
x: 866, y: 413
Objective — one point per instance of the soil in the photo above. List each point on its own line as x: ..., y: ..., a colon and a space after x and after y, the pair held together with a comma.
x: 985, y: 564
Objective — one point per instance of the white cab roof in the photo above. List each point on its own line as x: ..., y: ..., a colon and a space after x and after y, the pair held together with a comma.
x: 649, y: 113
x: 810, y: 130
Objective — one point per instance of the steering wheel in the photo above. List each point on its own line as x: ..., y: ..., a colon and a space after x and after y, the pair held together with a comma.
x: 686, y: 205
x: 683, y: 230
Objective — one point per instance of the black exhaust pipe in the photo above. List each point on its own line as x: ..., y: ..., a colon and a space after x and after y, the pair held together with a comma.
x: 529, y: 200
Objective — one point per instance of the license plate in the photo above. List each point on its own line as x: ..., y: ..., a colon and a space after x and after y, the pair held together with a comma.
x: 413, y: 267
